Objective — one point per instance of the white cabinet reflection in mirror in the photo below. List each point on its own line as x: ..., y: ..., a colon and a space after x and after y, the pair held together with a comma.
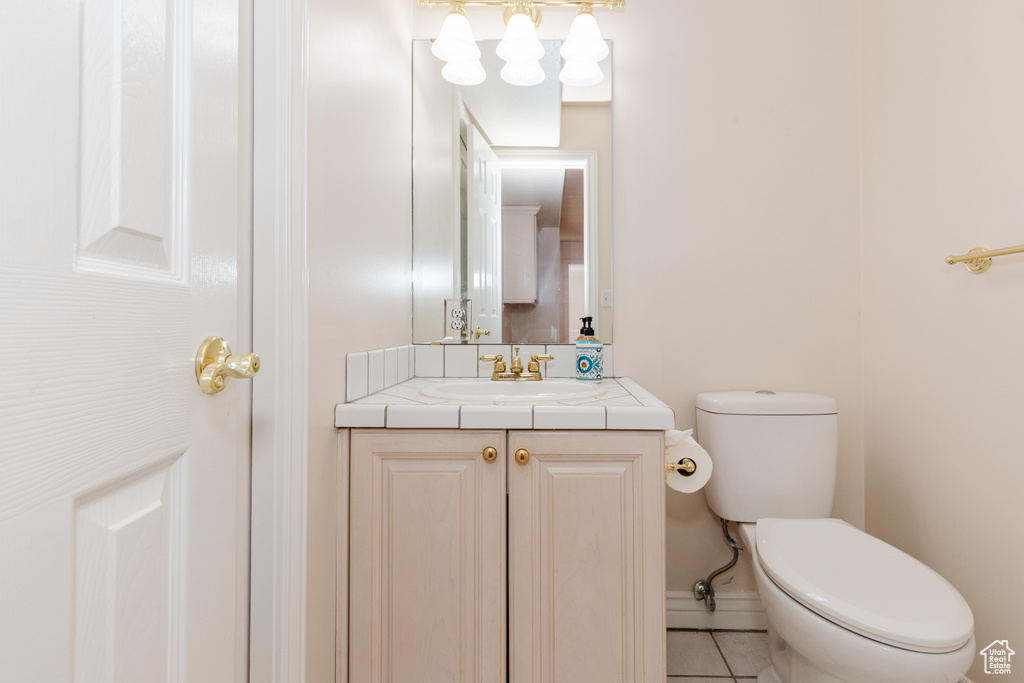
x: 519, y: 254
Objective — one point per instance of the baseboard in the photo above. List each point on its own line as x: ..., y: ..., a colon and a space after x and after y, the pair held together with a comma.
x: 733, y: 612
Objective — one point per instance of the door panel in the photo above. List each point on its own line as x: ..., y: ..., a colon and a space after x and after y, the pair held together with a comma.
x: 130, y: 577
x: 483, y: 241
x: 123, y: 489
x: 586, y: 536
x: 427, y: 559
x: 135, y: 70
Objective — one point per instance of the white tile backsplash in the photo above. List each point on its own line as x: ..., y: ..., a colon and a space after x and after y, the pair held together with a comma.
x: 355, y: 375
x: 375, y: 367
x: 429, y: 360
x: 564, y: 364
x: 368, y: 372
x: 460, y: 360
x: 390, y: 367
x: 404, y: 365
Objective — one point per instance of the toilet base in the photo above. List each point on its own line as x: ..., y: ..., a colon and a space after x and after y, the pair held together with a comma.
x: 789, y: 666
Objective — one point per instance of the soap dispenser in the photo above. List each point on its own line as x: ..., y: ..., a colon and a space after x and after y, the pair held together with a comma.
x: 588, y: 352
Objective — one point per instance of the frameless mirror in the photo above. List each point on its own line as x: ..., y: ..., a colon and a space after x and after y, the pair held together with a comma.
x: 511, y: 205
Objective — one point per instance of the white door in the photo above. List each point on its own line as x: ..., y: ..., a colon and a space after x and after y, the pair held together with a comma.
x: 124, y: 232
x: 483, y: 241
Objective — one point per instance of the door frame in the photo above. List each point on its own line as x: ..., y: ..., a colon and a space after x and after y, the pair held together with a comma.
x: 280, y: 425
x: 586, y: 160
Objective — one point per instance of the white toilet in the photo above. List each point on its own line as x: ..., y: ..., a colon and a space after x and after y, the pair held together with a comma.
x: 841, y: 605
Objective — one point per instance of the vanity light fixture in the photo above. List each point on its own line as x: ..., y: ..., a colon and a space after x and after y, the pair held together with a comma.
x: 464, y: 73
x: 581, y: 74
x: 523, y: 73
x: 455, y: 42
x: 520, y: 42
x: 584, y: 42
x: 583, y: 48
x: 455, y: 45
x: 520, y: 47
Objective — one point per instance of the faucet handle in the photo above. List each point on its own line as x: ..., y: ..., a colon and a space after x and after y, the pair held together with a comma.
x: 534, y: 365
x: 499, y: 364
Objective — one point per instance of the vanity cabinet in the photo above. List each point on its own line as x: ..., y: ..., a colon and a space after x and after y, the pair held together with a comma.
x: 477, y: 566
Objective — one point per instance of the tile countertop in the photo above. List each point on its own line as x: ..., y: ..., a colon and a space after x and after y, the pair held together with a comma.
x: 623, y: 405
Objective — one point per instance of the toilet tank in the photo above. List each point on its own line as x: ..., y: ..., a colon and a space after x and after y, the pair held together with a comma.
x: 774, y: 453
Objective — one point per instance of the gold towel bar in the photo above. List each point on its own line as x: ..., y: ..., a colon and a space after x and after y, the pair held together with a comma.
x: 979, y: 259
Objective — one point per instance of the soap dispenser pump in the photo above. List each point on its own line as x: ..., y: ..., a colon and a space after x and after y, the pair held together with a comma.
x: 588, y: 352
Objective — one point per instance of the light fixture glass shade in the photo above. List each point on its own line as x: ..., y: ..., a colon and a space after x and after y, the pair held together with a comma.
x: 455, y: 41
x: 464, y: 73
x: 520, y: 42
x: 581, y: 74
x: 523, y: 73
x: 584, y: 42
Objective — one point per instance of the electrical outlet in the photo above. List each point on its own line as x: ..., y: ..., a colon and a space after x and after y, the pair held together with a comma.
x: 457, y: 314
x: 606, y: 297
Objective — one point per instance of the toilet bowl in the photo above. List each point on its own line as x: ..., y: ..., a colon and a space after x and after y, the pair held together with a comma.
x: 842, y: 606
x: 807, y: 647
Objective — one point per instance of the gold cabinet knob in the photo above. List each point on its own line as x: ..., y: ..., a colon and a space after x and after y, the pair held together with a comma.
x: 482, y: 333
x: 215, y: 364
x: 490, y: 454
x: 522, y: 456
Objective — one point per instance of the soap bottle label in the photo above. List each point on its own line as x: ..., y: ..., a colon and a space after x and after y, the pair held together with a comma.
x: 588, y: 361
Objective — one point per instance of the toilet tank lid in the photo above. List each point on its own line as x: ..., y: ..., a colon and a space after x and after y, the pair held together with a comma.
x: 765, y: 402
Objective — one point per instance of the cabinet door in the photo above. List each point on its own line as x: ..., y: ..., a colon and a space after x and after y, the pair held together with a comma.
x: 586, y: 551
x: 427, y: 557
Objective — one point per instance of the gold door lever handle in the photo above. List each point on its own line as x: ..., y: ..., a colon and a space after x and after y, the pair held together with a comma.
x: 215, y: 364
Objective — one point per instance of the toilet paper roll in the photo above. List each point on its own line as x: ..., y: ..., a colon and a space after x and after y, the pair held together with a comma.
x: 680, y: 445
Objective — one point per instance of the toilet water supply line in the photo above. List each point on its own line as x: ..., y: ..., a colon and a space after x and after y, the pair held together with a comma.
x: 703, y: 590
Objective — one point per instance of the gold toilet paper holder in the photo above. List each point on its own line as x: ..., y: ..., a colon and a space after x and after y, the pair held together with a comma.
x: 685, y: 467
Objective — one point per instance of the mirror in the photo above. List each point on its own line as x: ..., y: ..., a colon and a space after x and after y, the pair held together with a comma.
x: 511, y: 205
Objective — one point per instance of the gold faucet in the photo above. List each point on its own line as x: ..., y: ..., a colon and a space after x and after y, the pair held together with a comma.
x: 532, y: 369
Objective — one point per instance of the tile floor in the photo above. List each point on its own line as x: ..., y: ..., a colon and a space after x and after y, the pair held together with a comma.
x: 716, y: 656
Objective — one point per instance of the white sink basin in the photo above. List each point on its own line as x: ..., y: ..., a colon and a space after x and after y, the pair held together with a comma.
x: 516, y: 390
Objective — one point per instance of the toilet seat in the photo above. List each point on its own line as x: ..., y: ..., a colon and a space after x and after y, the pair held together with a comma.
x: 863, y: 584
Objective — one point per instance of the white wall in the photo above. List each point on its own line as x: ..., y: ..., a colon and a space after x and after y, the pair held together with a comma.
x: 737, y: 252
x: 944, y: 367
x: 359, y: 244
